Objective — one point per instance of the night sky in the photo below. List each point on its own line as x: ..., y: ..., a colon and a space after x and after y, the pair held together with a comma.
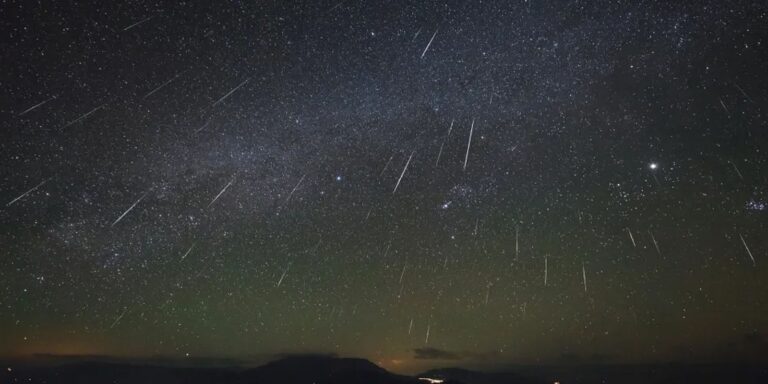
x: 419, y: 183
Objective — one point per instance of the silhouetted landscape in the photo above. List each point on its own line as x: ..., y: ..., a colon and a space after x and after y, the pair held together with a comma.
x: 327, y: 369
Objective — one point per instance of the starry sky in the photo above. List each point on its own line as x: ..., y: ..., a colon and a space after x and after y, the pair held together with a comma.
x: 419, y: 183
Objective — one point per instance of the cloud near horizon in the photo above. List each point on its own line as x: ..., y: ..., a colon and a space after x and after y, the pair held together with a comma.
x: 436, y: 354
x: 442, y: 354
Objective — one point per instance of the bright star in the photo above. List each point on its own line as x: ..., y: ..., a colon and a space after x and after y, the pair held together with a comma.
x: 653, y: 165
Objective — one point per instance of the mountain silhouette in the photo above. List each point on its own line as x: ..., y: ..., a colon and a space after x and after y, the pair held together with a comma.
x: 322, y: 370
x: 289, y: 370
x: 332, y: 370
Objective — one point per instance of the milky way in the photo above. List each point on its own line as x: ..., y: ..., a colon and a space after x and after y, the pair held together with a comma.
x: 501, y: 182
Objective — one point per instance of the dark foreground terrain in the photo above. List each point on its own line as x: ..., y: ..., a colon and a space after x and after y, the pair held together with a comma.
x: 291, y: 370
x: 328, y: 370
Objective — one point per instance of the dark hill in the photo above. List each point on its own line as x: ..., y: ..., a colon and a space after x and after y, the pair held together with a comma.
x: 290, y: 370
x: 321, y: 370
